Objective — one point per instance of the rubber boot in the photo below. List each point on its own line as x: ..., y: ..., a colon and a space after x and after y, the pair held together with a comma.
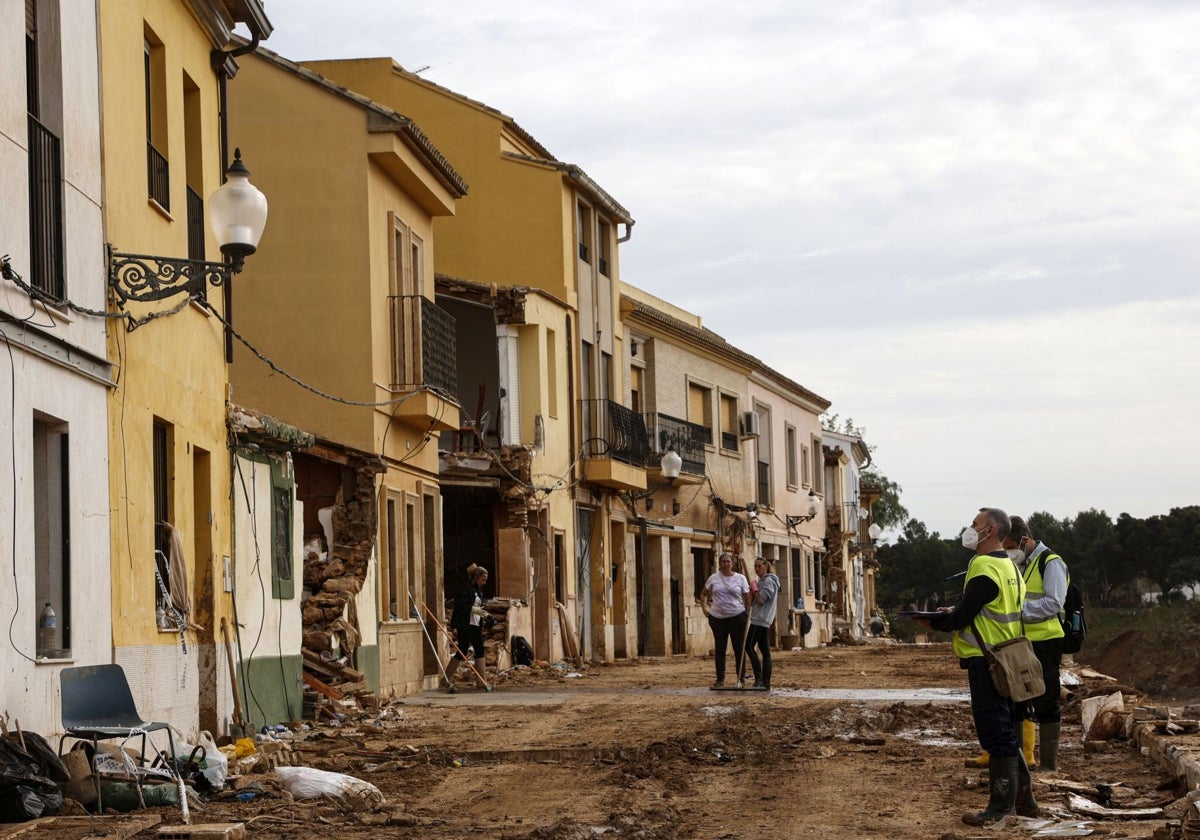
x: 1028, y: 736
x: 1048, y: 754
x: 1002, y: 790
x: 981, y: 760
x: 448, y: 677
x: 1026, y: 805
x: 481, y: 666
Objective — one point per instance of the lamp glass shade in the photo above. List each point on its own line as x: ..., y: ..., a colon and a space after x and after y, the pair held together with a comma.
x: 874, y: 531
x: 814, y: 504
x: 671, y: 464
x: 237, y: 212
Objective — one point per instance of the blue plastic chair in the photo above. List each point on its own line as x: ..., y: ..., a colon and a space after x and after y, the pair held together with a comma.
x: 97, y: 705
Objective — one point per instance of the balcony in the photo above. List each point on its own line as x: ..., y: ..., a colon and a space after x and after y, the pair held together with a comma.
x: 158, y: 176
x: 615, y: 445
x: 46, y: 211
x: 195, y: 225
x: 424, y: 360
x: 688, y: 439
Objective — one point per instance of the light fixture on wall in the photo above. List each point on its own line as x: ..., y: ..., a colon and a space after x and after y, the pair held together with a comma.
x: 237, y: 214
x: 874, y: 532
x: 814, y: 507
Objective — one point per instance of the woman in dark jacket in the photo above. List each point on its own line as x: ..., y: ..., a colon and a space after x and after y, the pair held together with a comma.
x: 467, y: 621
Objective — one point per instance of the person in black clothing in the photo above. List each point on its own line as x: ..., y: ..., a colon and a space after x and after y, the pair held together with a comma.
x: 993, y: 592
x: 467, y: 623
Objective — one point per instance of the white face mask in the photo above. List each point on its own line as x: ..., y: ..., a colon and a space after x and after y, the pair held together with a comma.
x: 970, y: 538
x: 1017, y: 556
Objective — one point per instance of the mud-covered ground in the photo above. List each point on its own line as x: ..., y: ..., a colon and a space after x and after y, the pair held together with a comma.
x: 647, y: 751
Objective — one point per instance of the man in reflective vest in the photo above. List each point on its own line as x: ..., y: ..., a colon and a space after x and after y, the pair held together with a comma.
x: 1045, y: 591
x: 993, y: 592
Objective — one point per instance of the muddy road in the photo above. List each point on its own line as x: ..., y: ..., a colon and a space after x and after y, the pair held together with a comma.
x: 855, y: 742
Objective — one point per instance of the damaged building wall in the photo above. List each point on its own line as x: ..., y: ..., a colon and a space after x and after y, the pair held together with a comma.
x: 340, y: 521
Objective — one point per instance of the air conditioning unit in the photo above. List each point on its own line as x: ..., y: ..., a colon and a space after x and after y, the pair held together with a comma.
x: 748, y: 423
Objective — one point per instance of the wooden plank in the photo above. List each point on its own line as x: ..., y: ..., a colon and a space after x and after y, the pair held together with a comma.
x: 94, y: 828
x: 320, y: 687
x: 331, y: 669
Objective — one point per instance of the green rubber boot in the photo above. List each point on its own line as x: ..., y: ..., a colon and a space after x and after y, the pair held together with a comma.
x: 1002, y: 788
x: 1048, y: 752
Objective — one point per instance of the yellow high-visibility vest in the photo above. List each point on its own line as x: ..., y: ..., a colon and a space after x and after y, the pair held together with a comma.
x: 1000, y: 618
x: 1035, y: 587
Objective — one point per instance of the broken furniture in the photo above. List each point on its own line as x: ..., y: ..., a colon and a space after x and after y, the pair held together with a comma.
x: 97, y: 705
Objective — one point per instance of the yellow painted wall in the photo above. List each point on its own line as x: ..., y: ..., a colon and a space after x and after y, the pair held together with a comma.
x: 173, y: 368
x: 511, y: 228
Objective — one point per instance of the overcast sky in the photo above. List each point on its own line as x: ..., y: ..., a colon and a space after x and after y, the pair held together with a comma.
x: 973, y: 226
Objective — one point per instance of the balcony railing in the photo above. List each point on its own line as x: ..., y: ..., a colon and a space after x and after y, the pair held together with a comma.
x: 158, y: 175
x: 687, y: 438
x: 610, y: 430
x: 195, y: 225
x: 729, y: 441
x: 45, y: 210
x: 424, y: 352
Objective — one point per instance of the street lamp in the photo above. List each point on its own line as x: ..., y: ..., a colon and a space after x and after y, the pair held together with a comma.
x: 874, y: 531
x: 814, y: 507
x: 671, y: 464
x: 237, y: 215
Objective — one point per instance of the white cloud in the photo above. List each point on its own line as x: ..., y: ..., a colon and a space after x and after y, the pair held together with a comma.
x: 972, y: 226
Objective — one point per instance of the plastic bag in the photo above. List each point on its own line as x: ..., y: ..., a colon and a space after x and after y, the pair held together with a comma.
x: 310, y: 783
x: 25, y: 794
x: 216, y: 769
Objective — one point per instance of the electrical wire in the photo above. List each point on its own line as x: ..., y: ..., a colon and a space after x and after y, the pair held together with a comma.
x: 12, y: 427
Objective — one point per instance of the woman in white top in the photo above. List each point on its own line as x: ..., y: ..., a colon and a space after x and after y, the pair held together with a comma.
x: 724, y: 600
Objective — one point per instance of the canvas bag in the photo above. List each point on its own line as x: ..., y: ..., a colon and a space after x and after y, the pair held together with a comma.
x: 1016, y: 671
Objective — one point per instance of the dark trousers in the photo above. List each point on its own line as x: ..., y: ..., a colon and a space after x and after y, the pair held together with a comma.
x: 994, y: 715
x: 724, y: 630
x: 1046, y: 708
x: 760, y: 638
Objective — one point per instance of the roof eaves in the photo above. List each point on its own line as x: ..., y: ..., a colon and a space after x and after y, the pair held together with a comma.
x: 392, y: 120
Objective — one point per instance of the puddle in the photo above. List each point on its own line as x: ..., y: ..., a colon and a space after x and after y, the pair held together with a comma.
x: 880, y: 695
x: 718, y: 711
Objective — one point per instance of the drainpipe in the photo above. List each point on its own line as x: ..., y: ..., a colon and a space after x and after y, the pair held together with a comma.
x: 628, y: 233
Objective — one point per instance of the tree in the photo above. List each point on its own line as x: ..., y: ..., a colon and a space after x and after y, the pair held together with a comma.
x: 914, y: 569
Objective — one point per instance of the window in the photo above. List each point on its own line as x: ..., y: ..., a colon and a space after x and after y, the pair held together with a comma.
x: 700, y: 409
x: 552, y: 372
x: 283, y: 582
x: 412, y: 557
x: 729, y: 423
x: 816, y: 581
x: 637, y: 387
x: 393, y: 566
x: 194, y: 172
x: 560, y: 566
x: 45, y: 152
x: 162, y: 445
x: 584, y: 231
x: 818, y: 466
x: 155, y: 80
x: 51, y: 534
x: 405, y: 288
x: 805, y: 467
x: 789, y: 440
x: 796, y: 571
x: 603, y: 237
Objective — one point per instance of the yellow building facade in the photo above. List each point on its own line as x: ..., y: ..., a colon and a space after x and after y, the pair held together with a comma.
x: 341, y: 297
x: 534, y: 221
x: 163, y: 153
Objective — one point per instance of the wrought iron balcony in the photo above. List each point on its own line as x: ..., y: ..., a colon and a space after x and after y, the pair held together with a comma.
x: 424, y: 352
x: 195, y: 225
x: 688, y: 439
x: 610, y: 430
x: 45, y: 211
x: 158, y: 176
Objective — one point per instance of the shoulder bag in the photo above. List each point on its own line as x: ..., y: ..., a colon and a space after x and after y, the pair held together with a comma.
x: 1014, y: 666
